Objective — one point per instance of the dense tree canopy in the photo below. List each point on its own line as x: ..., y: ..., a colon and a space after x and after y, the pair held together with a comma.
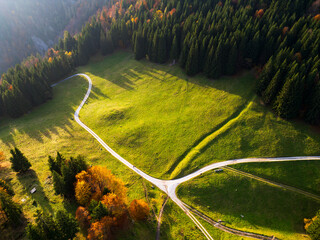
x: 214, y: 37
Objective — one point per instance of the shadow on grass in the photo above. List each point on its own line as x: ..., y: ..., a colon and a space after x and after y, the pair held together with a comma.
x: 30, y: 180
x: 230, y: 197
x: 49, y: 118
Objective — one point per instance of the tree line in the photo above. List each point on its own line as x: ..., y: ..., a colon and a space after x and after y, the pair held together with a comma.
x: 279, y: 38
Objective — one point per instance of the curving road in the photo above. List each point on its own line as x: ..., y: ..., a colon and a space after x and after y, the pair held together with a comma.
x: 170, y: 186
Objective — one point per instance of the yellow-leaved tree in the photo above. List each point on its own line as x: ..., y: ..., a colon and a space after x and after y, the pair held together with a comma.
x: 139, y: 209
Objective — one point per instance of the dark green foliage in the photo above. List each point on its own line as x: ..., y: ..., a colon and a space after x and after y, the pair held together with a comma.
x: 64, y: 173
x: 93, y: 204
x: 62, y: 227
x: 192, y: 65
x: 174, y: 54
x: 314, y: 229
x: 232, y: 61
x: 106, y: 44
x: 67, y: 225
x: 11, y: 209
x: 55, y: 164
x: 203, y: 36
x: 19, y: 163
x: 58, y: 183
x: 313, y: 112
x: 289, y: 100
x: 99, y: 212
x: 266, y: 76
x: 139, y: 46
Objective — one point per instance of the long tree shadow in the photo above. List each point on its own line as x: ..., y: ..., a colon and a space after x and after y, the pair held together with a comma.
x: 30, y: 180
x: 49, y: 118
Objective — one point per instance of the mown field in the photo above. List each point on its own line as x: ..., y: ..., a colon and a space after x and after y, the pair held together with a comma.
x: 164, y: 122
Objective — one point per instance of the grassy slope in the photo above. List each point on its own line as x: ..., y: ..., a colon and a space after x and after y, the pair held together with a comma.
x: 136, y: 106
x: 153, y: 115
x: 259, y: 133
x: 266, y: 209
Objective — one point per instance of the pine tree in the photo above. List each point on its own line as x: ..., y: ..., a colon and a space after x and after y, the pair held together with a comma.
x: 289, y: 100
x: 313, y: 111
x: 216, y: 70
x: 174, y: 53
x: 109, y: 43
x: 192, y: 65
x: 99, y: 211
x: 103, y: 44
x: 11, y: 209
x: 266, y: 76
x: 139, y: 46
x: 19, y: 162
x: 58, y: 183
x: 67, y: 225
x: 162, y: 49
x: 232, y: 60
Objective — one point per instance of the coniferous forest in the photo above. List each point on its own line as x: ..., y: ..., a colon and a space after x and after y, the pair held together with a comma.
x: 280, y: 40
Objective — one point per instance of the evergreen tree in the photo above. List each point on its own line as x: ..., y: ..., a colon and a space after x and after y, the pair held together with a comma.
x: 162, y: 49
x: 67, y: 225
x: 174, y: 53
x: 99, y: 211
x: 139, y: 46
x: 192, y: 65
x: 313, y: 111
x: 289, y: 100
x: 19, y: 162
x: 58, y: 183
x: 216, y: 68
x: 103, y: 44
x: 11, y: 209
x: 232, y: 61
x: 266, y: 76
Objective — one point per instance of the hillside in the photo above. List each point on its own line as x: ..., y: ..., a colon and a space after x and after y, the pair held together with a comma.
x: 152, y: 115
x: 30, y: 27
x: 177, y: 89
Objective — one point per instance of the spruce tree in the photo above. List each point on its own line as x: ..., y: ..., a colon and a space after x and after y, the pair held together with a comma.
x: 139, y: 47
x: 174, y: 53
x: 192, y: 65
x: 99, y: 211
x: 67, y: 225
x: 162, y: 49
x: 265, y: 76
x: 216, y: 70
x: 19, y: 162
x: 11, y: 209
x: 289, y: 101
x: 313, y: 111
x: 103, y: 44
x: 232, y: 60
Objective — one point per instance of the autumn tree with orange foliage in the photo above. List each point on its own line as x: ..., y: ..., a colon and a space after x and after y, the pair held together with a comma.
x: 317, y: 17
x: 100, y: 230
x: 83, y: 217
x: 139, y: 209
x: 104, y: 207
x: 99, y: 181
x: 259, y: 13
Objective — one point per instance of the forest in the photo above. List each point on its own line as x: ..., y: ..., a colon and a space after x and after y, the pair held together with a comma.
x: 279, y: 40
x: 23, y: 20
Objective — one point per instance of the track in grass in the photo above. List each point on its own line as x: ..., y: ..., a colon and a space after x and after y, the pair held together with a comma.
x: 170, y: 186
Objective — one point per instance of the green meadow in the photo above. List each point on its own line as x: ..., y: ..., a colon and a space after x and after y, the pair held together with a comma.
x: 155, y: 116
x: 246, y: 204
